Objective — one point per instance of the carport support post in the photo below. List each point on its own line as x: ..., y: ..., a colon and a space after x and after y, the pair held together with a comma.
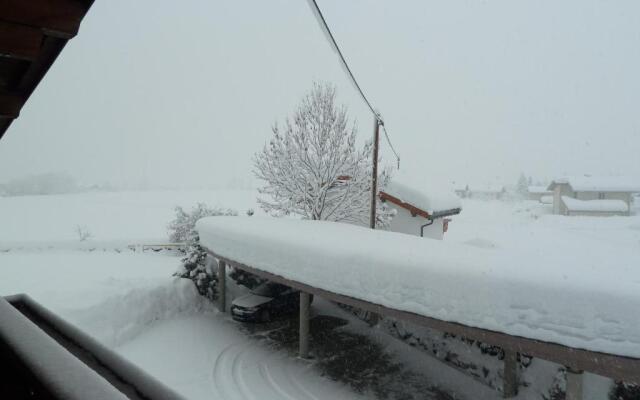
x: 510, y: 375
x: 222, y: 286
x: 303, y: 350
x: 574, y: 384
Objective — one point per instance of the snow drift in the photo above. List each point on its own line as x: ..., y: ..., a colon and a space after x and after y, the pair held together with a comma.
x: 121, y: 318
x: 544, y: 293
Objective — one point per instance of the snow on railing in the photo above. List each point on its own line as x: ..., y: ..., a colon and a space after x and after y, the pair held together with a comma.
x: 67, y: 363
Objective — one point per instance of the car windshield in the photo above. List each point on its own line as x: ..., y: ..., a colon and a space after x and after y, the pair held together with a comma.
x: 269, y: 289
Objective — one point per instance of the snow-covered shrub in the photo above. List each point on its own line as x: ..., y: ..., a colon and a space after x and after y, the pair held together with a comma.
x: 625, y: 391
x: 245, y: 279
x: 182, y: 228
x: 195, y: 265
x: 312, y: 167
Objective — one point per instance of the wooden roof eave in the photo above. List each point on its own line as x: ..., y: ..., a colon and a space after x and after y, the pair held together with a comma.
x: 32, y: 35
x: 415, y: 211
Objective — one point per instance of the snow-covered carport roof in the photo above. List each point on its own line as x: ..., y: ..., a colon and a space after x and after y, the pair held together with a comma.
x: 589, y: 183
x: 526, y: 308
x: 436, y: 204
x: 32, y: 35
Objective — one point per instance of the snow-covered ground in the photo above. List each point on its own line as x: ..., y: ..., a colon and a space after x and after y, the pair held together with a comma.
x: 116, y: 217
x: 129, y: 301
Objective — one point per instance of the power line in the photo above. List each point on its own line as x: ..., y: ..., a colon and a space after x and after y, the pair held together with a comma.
x: 386, y: 135
x: 325, y: 29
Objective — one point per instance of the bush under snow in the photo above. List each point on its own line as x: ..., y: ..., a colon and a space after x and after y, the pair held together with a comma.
x: 195, y: 265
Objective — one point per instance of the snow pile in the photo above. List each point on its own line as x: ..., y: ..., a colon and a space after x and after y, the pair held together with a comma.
x: 60, y: 279
x: 431, y: 199
x: 546, y: 199
x: 569, y: 298
x: 608, y: 205
x: 587, y: 183
x: 120, y: 318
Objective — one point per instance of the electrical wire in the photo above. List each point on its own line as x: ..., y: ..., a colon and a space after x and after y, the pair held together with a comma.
x: 386, y: 135
x: 325, y: 29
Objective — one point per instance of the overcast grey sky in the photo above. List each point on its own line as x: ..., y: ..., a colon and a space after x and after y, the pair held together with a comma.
x: 165, y: 93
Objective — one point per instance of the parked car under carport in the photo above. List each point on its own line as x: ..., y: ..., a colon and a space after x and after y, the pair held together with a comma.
x: 266, y: 302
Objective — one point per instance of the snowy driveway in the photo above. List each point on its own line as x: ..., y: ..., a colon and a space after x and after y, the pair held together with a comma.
x: 130, y: 302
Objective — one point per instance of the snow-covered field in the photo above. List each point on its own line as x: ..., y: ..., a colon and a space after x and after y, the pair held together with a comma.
x: 130, y: 302
x: 110, y: 217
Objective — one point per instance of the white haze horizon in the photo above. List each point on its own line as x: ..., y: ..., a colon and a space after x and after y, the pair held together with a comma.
x: 159, y: 95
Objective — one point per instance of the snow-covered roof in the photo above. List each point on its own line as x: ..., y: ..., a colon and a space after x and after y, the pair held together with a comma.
x: 538, y: 189
x: 607, y: 205
x: 431, y: 198
x: 548, y: 199
x: 587, y: 183
x: 546, y: 295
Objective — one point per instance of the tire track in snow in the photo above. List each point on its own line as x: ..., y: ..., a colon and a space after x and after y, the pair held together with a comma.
x: 218, y: 381
x: 236, y: 373
x: 242, y: 372
x: 264, y: 372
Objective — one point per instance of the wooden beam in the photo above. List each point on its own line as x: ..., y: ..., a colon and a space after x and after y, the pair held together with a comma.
x: 411, y: 208
x: 10, y: 105
x: 610, y: 365
x: 510, y: 375
x: 575, y: 383
x: 19, y: 41
x: 303, y: 329
x: 57, y: 18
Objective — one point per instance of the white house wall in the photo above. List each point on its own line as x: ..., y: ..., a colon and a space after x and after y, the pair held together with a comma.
x: 626, y: 197
x: 559, y: 191
x: 404, y: 222
x: 596, y: 213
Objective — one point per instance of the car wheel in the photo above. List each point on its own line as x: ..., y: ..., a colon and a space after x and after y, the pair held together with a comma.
x: 265, y: 316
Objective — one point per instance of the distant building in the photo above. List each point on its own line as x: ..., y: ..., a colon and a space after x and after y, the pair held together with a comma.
x: 488, y: 192
x: 587, y: 195
x: 420, y: 213
x: 538, y: 192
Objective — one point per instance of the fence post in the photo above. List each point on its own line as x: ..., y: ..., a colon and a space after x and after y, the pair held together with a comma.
x: 222, y: 286
x: 303, y: 350
x: 574, y: 384
x: 510, y: 374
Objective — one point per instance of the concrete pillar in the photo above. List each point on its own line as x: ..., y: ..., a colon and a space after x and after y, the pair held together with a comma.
x: 510, y: 375
x: 575, y: 381
x: 222, y: 286
x: 304, y: 325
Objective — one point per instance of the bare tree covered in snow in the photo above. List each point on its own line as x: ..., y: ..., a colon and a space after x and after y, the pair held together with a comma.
x: 313, y: 168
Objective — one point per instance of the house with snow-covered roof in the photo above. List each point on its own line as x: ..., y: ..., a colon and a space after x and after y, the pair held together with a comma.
x: 596, y: 196
x: 420, y: 212
x: 486, y: 192
x: 537, y: 192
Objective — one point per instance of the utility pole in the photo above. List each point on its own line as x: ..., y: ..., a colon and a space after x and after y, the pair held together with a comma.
x: 372, y: 317
x: 374, y: 177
